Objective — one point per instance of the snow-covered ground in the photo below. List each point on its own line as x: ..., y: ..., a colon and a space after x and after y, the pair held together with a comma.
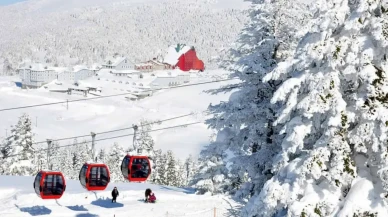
x: 106, y: 114
x: 18, y: 199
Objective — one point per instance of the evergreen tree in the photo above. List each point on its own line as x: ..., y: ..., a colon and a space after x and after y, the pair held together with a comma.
x: 156, y: 166
x: 18, y: 148
x: 114, y: 160
x: 54, y: 153
x: 144, y: 140
x: 190, y: 169
x: 101, y: 155
x: 332, y: 101
x: 181, y: 175
x: 171, y: 170
x: 162, y: 170
x: 66, y: 164
x: 240, y: 161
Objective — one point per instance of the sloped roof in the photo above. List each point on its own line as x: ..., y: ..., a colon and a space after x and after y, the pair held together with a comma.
x: 173, y: 55
x: 79, y: 68
x: 114, y: 60
x: 38, y: 67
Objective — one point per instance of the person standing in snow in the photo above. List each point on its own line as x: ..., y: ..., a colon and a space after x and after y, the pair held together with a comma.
x: 115, y: 193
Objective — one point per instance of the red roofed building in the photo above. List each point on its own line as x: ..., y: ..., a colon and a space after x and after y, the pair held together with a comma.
x: 184, y: 57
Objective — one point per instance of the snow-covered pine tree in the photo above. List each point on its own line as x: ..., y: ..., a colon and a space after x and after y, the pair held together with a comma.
x: 171, y: 170
x: 20, y: 151
x: 144, y: 141
x: 77, y: 162
x: 190, y: 168
x: 162, y: 170
x: 157, y: 159
x: 181, y: 174
x: 240, y: 160
x: 40, y: 159
x: 55, y: 156
x: 334, y: 117
x: 101, y: 155
x: 66, y: 163
x: 114, y: 160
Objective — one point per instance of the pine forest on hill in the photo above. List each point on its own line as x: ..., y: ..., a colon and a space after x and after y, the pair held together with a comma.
x: 139, y: 31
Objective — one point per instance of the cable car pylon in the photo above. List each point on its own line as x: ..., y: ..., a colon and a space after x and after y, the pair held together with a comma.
x: 94, y: 176
x: 136, y: 168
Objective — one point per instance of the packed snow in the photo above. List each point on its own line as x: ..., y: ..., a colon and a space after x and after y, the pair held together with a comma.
x: 18, y: 199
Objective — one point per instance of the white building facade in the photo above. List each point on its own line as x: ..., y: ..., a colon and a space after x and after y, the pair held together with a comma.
x: 118, y: 63
x: 37, y: 75
x: 172, y: 78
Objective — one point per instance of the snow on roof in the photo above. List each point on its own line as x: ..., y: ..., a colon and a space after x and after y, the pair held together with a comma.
x: 37, y: 67
x: 143, y: 64
x: 157, y: 62
x: 59, y: 69
x: 114, y: 61
x: 78, y: 68
x: 172, y: 55
x: 95, y: 67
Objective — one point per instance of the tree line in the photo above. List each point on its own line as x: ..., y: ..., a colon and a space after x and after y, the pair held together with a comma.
x: 20, y: 156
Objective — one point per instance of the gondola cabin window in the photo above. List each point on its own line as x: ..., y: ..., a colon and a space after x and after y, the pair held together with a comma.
x: 140, y: 168
x: 125, y: 167
x: 38, y: 178
x: 82, y: 175
x: 98, y: 176
x: 53, y: 185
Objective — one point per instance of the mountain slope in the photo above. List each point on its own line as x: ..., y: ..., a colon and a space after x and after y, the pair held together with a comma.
x: 68, y: 33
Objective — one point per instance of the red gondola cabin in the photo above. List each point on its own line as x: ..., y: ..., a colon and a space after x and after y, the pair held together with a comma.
x: 94, y: 176
x: 136, y: 168
x: 49, y: 184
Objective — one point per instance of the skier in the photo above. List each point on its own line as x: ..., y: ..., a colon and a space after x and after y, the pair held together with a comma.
x: 115, y: 193
x: 147, y: 194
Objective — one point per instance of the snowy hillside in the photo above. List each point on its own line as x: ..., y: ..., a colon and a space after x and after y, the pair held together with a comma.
x: 18, y: 199
x: 106, y: 114
x: 70, y: 32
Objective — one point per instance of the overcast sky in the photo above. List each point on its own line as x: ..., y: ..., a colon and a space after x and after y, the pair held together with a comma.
x: 8, y: 2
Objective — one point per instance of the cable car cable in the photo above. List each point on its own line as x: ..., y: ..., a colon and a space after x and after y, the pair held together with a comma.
x: 111, y: 131
x: 107, y: 96
x: 109, y: 138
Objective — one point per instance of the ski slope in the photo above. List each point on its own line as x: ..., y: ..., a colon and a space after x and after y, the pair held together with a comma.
x: 18, y: 199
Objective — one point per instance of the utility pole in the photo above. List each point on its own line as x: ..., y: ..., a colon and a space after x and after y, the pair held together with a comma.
x: 93, y: 146
x: 49, y: 141
x: 67, y: 104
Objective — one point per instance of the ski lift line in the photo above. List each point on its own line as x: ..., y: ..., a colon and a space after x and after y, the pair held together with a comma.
x: 111, y: 131
x: 155, y: 122
x: 107, y: 96
x: 109, y: 138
